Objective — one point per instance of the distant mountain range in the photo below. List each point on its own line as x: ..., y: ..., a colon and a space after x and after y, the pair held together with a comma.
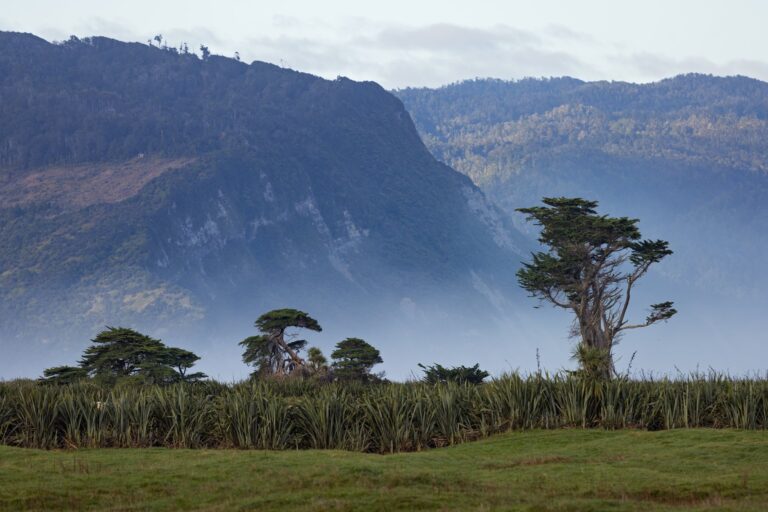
x: 146, y: 187
x: 688, y: 156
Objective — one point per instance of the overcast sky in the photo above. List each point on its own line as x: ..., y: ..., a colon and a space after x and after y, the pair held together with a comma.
x: 401, y: 43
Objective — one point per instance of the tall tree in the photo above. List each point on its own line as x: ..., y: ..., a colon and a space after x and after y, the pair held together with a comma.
x: 270, y: 352
x: 354, y: 358
x: 591, y: 264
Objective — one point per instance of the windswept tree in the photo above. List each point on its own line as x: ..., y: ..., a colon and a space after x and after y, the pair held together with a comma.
x: 274, y: 352
x: 119, y: 352
x: 122, y: 352
x: 590, y: 267
x: 354, y: 358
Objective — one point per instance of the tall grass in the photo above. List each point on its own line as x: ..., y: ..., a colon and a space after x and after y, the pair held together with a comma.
x: 383, y: 418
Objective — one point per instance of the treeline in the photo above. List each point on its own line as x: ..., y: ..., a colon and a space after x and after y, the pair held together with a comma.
x: 491, y: 128
x: 98, y: 99
x: 119, y: 355
x: 381, y: 418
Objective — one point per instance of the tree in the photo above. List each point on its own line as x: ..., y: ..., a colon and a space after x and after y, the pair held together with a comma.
x: 181, y: 361
x: 461, y: 374
x: 354, y: 358
x: 269, y: 351
x: 119, y: 352
x: 205, y: 51
x: 122, y: 352
x: 64, y: 374
x: 590, y: 267
x: 318, y: 364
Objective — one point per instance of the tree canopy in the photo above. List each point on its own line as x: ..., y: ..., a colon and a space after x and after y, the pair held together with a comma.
x: 461, y: 374
x: 590, y: 266
x: 120, y: 352
x: 65, y: 374
x: 354, y: 358
x: 269, y: 352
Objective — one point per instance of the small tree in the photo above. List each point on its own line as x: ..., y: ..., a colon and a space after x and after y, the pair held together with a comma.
x: 318, y: 364
x: 269, y: 351
x: 591, y: 265
x: 181, y: 361
x: 461, y: 374
x: 354, y: 358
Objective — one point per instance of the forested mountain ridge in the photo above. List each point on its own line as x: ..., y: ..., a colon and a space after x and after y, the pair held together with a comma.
x: 488, y: 128
x: 150, y: 187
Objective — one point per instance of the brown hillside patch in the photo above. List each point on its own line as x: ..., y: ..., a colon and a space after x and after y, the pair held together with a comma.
x: 78, y: 186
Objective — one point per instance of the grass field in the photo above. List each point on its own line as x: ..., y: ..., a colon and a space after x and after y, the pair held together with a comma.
x: 534, y: 470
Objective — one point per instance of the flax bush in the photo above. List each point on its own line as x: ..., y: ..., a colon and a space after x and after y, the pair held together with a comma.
x: 381, y: 417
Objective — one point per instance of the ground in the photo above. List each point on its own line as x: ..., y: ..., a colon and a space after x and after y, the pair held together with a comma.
x: 569, y: 470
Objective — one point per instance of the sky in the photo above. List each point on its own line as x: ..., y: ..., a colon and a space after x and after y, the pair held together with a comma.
x: 402, y: 43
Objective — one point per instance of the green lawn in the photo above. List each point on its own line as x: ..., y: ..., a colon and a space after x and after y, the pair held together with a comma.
x: 539, y: 470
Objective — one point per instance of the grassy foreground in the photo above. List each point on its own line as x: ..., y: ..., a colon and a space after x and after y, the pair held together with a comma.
x: 533, y: 470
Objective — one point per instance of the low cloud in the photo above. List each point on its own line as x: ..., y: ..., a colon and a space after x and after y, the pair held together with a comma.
x: 650, y: 66
x: 400, y: 55
x: 429, y: 55
x: 442, y: 38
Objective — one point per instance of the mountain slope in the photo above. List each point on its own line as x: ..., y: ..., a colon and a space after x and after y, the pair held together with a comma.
x: 144, y: 186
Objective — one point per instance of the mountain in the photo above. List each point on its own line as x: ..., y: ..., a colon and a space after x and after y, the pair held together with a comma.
x: 688, y: 156
x: 149, y: 187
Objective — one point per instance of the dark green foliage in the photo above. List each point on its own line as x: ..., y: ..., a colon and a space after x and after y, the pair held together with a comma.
x: 182, y: 360
x: 118, y: 353
x: 460, y: 374
x: 585, y: 270
x: 353, y: 359
x: 260, y: 353
x: 121, y: 352
x: 281, y: 319
x: 270, y: 352
x: 65, y: 374
x: 317, y: 361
